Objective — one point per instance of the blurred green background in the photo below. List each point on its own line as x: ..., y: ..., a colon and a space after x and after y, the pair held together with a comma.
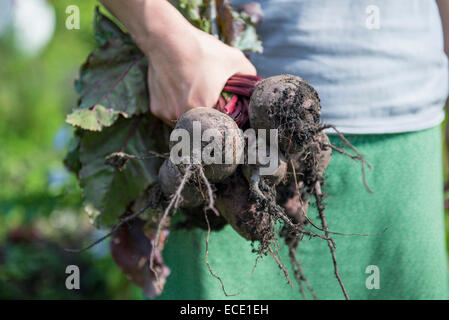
x: 39, y: 200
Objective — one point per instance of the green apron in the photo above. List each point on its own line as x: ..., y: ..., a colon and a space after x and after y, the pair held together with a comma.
x: 407, y: 261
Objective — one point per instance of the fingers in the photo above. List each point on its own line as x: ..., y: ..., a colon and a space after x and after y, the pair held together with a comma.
x: 159, y: 111
x: 179, y: 86
x: 247, y: 67
x: 243, y: 65
x: 159, y: 104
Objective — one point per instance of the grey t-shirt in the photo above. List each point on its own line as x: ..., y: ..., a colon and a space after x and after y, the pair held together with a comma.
x: 378, y: 65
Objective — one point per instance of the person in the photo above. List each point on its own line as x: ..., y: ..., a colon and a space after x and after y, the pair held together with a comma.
x: 380, y: 69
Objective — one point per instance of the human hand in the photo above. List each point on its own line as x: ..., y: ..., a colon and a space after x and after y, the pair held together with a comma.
x: 190, y: 72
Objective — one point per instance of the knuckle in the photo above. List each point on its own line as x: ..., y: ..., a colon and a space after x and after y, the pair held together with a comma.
x: 157, y: 112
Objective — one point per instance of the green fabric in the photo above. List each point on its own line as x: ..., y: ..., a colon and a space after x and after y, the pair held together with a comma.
x: 411, y: 255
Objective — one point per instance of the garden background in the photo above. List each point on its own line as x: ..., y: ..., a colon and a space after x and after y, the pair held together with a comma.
x: 40, y: 202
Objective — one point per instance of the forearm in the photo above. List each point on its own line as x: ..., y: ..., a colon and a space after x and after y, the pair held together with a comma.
x: 155, y: 25
x: 443, y: 6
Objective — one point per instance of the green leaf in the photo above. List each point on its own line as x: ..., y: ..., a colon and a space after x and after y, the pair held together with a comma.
x: 107, y: 191
x: 238, y: 28
x: 248, y: 40
x: 112, y: 82
x: 71, y: 160
x: 106, y: 29
x: 133, y: 244
x: 195, y: 12
x: 93, y: 119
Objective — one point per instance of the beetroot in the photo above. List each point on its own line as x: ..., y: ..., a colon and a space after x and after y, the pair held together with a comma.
x: 289, y: 104
x: 234, y: 204
x: 170, y: 177
x: 227, y: 146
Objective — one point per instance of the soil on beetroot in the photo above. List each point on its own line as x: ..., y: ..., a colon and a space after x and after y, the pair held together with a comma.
x: 244, y: 210
x: 227, y: 132
x: 254, y: 207
x: 293, y: 107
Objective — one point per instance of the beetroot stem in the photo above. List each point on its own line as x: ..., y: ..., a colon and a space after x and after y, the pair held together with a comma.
x: 239, y: 90
x: 247, y: 76
x: 240, y: 83
x: 237, y: 110
x: 230, y: 106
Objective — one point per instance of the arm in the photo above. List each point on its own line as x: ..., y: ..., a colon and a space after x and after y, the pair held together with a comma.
x: 154, y: 24
x: 443, y: 6
x: 187, y: 67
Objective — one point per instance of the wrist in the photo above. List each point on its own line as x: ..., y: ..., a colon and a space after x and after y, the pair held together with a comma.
x: 153, y: 24
x: 162, y: 29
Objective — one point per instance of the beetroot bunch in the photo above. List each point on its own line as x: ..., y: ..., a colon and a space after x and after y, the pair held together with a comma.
x: 236, y: 192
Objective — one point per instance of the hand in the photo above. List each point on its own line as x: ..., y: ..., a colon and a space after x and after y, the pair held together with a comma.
x: 191, y: 72
x: 188, y: 68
